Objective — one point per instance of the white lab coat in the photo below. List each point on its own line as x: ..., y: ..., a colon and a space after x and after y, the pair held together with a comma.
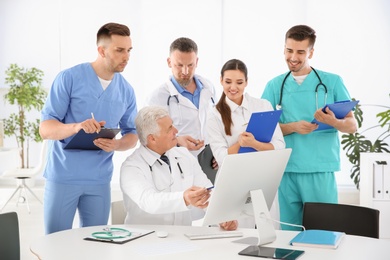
x: 220, y: 142
x: 187, y: 118
x: 153, y: 195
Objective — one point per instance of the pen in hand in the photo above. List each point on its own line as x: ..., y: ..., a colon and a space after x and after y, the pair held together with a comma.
x: 93, y: 117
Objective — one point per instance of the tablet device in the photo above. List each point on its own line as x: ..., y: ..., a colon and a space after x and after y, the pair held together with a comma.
x: 84, y: 141
x: 271, y: 252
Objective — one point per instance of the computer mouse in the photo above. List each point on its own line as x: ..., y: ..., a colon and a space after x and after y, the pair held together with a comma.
x: 162, y: 234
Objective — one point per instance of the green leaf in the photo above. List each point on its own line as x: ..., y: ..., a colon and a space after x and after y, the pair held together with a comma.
x: 354, y: 144
x: 26, y: 92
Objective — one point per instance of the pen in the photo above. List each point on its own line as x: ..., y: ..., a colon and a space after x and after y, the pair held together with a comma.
x: 209, y: 188
x: 181, y: 171
x: 93, y: 117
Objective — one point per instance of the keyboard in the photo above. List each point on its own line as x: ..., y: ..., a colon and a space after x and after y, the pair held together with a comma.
x: 214, y: 234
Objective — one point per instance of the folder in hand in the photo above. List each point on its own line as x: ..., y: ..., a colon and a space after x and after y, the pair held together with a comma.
x: 262, y: 125
x: 340, y: 110
x: 84, y: 141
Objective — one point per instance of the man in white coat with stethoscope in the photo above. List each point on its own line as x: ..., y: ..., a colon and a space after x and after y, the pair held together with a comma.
x: 188, y: 97
x: 163, y: 184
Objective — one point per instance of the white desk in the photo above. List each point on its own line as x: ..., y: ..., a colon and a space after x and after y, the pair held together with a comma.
x: 69, y: 244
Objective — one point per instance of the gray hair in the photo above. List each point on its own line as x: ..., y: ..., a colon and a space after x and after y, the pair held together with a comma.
x: 146, y: 121
x: 183, y: 44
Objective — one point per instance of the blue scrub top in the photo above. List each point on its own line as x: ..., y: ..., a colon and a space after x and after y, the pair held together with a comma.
x: 74, y: 95
x: 318, y: 151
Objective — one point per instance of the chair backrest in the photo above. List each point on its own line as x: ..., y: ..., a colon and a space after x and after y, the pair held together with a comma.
x: 118, y: 212
x: 353, y: 220
x: 9, y: 236
x: 42, y: 159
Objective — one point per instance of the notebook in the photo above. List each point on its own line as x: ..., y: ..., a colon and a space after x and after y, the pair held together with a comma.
x: 318, y: 238
x: 84, y: 141
x: 262, y: 125
x: 340, y: 110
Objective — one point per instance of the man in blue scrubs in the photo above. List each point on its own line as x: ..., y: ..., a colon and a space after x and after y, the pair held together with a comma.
x: 87, y: 97
x: 309, y: 175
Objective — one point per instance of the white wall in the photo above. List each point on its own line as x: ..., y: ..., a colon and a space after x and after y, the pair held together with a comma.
x: 353, y: 39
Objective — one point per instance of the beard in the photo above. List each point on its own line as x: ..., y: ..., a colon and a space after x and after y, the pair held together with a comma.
x: 184, y: 82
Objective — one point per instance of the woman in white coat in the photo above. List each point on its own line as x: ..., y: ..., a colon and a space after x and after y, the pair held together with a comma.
x: 226, y: 124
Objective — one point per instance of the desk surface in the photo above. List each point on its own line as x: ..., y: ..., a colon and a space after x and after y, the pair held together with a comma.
x: 69, y: 244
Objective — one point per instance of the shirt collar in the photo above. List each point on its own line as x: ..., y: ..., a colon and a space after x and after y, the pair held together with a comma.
x: 233, y: 106
x: 151, y: 156
x: 180, y: 89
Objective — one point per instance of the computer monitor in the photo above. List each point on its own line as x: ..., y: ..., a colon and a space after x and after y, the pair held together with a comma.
x: 240, y: 174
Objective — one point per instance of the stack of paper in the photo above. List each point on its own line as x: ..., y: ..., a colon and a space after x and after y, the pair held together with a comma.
x: 318, y: 238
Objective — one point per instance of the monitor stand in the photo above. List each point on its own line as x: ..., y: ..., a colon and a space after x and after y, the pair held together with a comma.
x: 263, y: 221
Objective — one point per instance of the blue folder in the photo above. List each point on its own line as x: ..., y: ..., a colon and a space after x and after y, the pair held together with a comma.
x: 262, y: 125
x: 340, y: 110
x: 318, y: 238
x: 84, y: 141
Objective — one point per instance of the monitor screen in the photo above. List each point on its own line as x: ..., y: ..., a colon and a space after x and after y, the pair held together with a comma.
x: 238, y: 175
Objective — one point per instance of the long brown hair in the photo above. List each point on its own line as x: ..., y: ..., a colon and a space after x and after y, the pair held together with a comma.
x: 222, y: 107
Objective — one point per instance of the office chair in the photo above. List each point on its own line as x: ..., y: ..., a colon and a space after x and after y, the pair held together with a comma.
x: 118, y: 212
x: 9, y: 236
x: 22, y: 174
x: 353, y: 220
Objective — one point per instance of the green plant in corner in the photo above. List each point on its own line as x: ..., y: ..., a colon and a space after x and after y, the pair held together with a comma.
x: 354, y: 144
x: 26, y: 92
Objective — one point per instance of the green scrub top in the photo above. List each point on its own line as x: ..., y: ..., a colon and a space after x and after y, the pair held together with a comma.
x: 318, y: 151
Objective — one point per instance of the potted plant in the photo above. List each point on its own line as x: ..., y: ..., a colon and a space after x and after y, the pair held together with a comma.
x: 25, y: 91
x: 354, y: 144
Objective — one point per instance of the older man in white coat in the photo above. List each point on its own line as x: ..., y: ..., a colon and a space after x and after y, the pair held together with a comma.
x: 161, y: 183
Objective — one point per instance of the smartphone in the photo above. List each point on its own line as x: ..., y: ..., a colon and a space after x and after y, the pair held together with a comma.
x: 271, y: 252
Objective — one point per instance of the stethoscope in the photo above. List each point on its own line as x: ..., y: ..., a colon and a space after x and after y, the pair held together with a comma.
x: 111, y: 233
x: 173, y: 96
x: 171, y: 179
x: 279, y: 105
x: 177, y: 99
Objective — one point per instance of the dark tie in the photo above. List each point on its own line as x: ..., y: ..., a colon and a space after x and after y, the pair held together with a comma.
x: 166, y: 160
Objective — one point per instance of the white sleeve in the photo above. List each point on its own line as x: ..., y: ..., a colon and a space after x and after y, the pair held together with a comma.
x: 277, y: 139
x: 216, y: 135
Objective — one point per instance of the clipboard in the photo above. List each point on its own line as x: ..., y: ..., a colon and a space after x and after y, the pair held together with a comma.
x: 84, y: 141
x: 262, y: 125
x: 135, y: 234
x: 340, y: 110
